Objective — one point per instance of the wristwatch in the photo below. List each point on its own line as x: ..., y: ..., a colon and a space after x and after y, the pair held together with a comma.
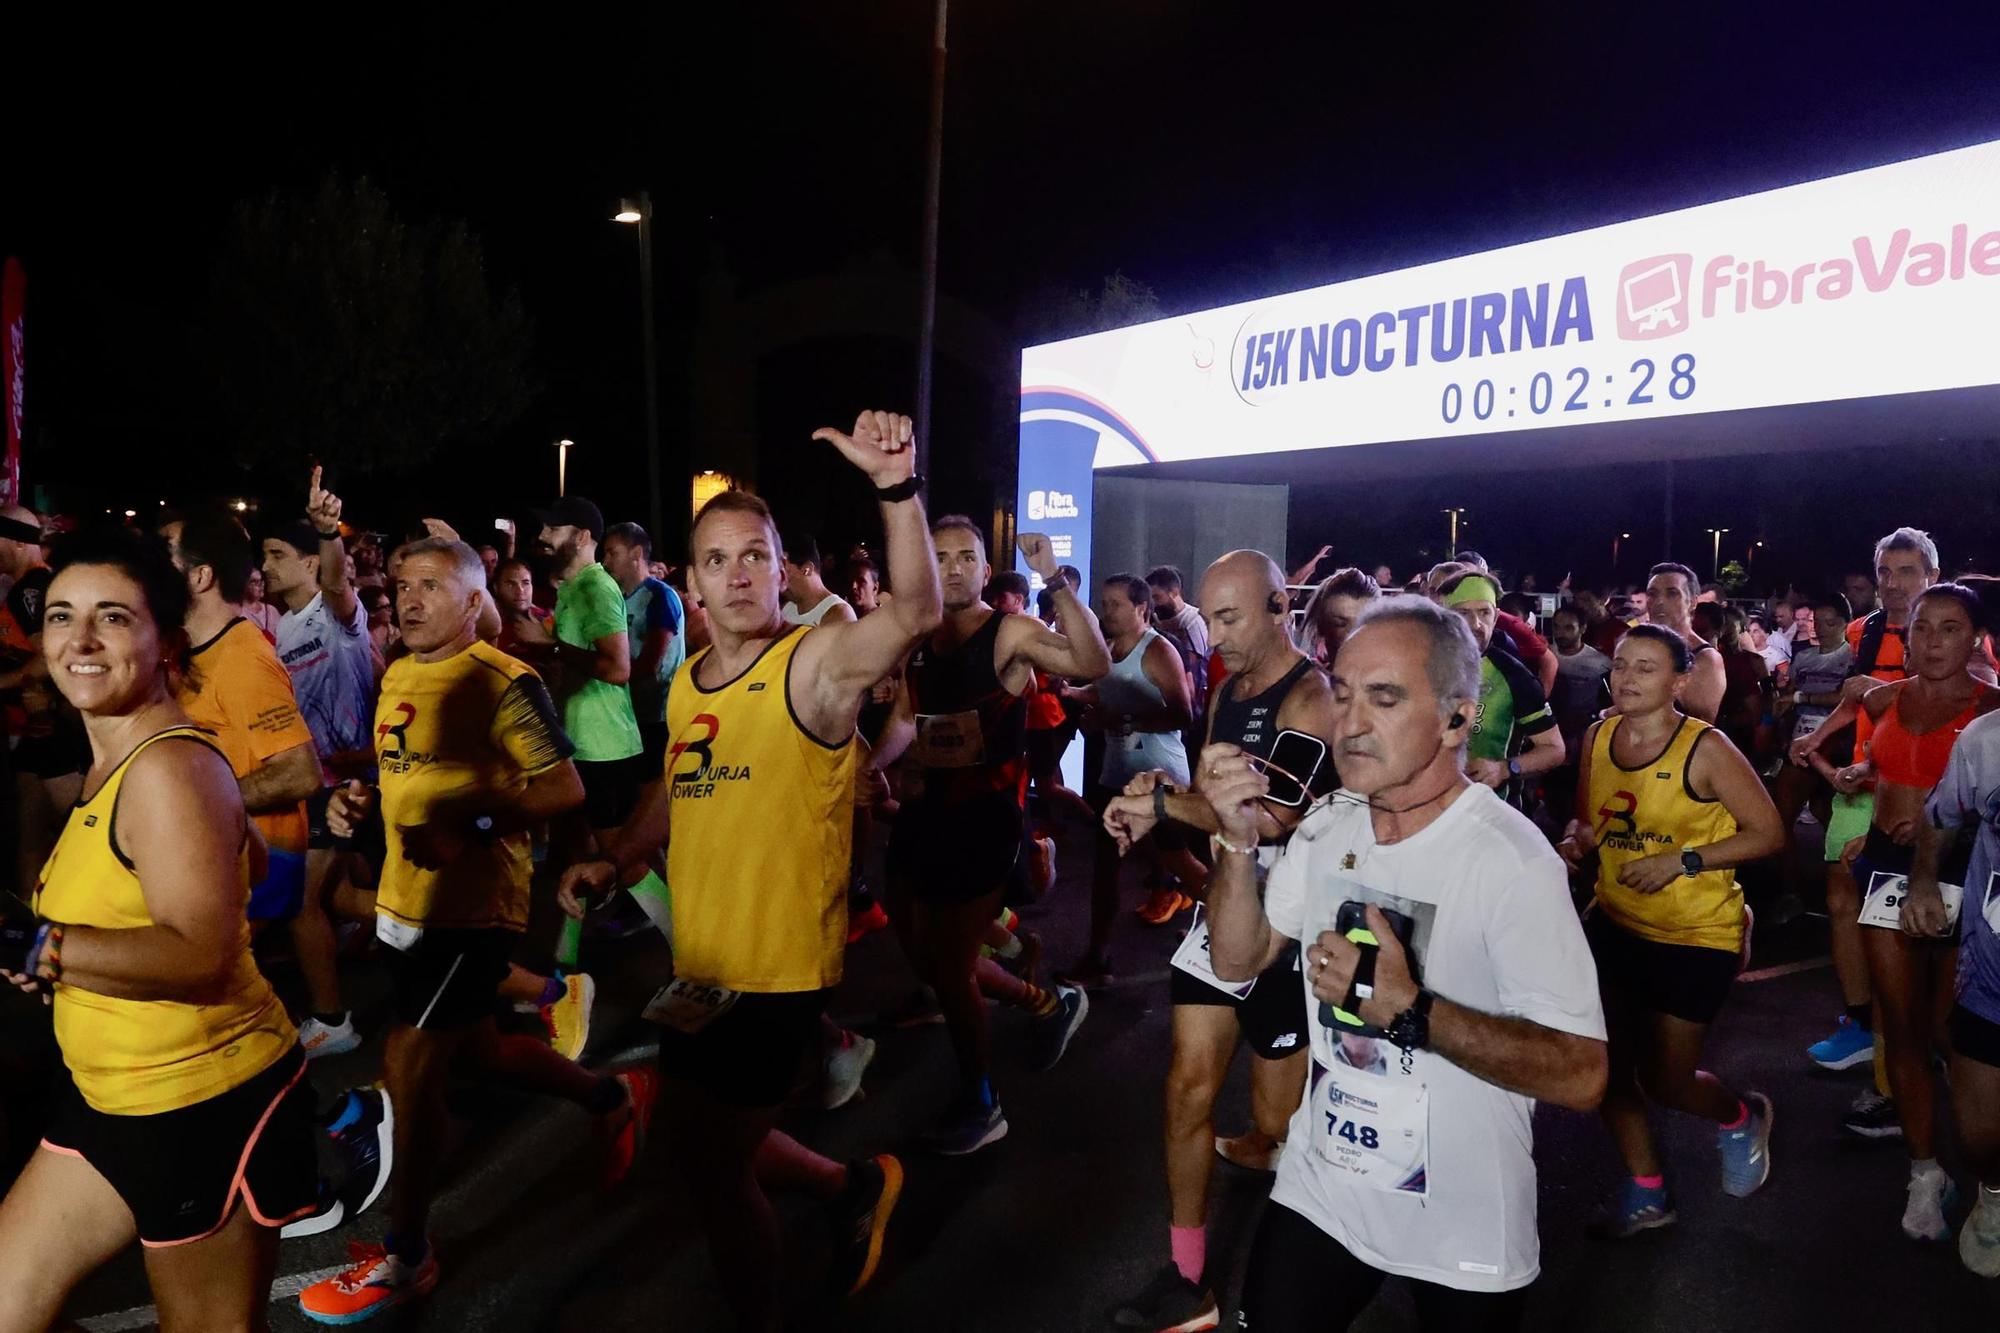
x: 1513, y: 768
x: 1411, y: 1029
x: 1691, y: 862
x: 902, y: 490
x: 1160, y: 794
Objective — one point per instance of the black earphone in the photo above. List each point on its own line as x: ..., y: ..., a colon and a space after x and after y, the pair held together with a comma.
x: 1457, y: 721
x: 1275, y: 604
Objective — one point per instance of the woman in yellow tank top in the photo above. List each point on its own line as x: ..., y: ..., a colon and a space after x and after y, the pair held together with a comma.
x: 1667, y: 808
x: 186, y: 1096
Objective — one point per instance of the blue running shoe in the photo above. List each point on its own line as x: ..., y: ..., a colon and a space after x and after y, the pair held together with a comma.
x: 1746, y: 1150
x: 1850, y: 1045
x: 966, y: 1128
x: 1638, y: 1209
x: 1052, y: 1034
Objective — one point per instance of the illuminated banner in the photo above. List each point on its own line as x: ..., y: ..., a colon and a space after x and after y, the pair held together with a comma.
x: 13, y: 375
x: 1884, y: 281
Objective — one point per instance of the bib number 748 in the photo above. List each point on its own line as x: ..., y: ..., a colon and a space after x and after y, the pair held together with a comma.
x: 1339, y: 1128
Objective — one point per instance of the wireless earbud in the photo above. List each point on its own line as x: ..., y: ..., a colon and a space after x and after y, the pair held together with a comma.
x: 1275, y: 604
x: 1457, y: 721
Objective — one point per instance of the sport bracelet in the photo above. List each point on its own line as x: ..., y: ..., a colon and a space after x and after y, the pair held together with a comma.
x: 333, y: 536
x: 1217, y: 840
x: 902, y: 490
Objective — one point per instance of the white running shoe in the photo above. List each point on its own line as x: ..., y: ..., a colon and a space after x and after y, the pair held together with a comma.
x: 318, y: 1039
x: 1979, y: 1238
x: 1931, y: 1192
x: 844, y: 1068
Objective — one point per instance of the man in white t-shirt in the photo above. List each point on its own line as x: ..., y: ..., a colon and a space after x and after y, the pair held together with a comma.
x: 1437, y: 921
x: 808, y: 601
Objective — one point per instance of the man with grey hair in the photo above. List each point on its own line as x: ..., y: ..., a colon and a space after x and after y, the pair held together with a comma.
x: 1436, y: 919
x: 472, y: 757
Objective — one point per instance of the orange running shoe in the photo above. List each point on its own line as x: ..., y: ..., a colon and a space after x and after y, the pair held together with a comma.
x: 1162, y: 906
x: 625, y: 1128
x: 377, y: 1281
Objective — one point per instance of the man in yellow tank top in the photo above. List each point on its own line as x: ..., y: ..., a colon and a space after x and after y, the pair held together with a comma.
x: 471, y: 757
x: 761, y: 726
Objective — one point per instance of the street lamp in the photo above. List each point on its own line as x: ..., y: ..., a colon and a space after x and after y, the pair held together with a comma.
x: 562, y: 466
x: 1715, y: 552
x: 639, y: 212
x: 1453, y: 554
x: 1621, y: 537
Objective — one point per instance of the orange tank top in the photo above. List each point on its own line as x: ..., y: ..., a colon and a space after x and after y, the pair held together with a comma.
x: 1910, y: 759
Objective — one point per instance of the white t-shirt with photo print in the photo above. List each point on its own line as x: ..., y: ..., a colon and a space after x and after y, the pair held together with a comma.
x: 1494, y: 930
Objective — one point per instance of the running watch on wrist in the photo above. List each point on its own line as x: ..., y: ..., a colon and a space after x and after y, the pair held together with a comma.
x: 1411, y: 1029
x: 1691, y: 862
x: 902, y: 490
x: 1513, y: 768
x: 1161, y: 792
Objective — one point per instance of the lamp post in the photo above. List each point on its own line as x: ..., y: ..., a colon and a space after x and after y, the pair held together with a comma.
x: 640, y: 211
x: 1452, y: 554
x: 1621, y: 537
x: 1715, y: 552
x: 562, y: 466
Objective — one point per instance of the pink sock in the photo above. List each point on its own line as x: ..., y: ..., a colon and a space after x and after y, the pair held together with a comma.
x: 1650, y: 1182
x: 1190, y: 1250
x: 1742, y: 1116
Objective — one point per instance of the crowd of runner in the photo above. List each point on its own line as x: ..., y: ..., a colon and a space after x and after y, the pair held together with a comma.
x: 1432, y: 854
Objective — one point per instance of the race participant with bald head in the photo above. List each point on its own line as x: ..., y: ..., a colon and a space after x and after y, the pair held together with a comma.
x: 761, y: 725
x: 963, y: 719
x: 1437, y: 920
x: 1671, y: 590
x: 1514, y: 733
x: 472, y: 757
x: 1271, y: 688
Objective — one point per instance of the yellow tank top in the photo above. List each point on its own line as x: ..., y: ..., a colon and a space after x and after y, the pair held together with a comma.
x: 762, y: 827
x: 1649, y: 809
x: 141, y: 1057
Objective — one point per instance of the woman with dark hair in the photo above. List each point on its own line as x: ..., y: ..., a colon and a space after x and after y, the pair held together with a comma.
x: 1916, y: 721
x: 1668, y: 808
x: 1746, y: 688
x: 1331, y: 611
x: 187, y: 1123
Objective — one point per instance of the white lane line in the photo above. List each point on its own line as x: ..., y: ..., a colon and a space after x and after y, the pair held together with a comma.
x: 1784, y: 970
x: 288, y: 1287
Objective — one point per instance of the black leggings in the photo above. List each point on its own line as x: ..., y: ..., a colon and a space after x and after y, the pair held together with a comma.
x: 1302, y: 1280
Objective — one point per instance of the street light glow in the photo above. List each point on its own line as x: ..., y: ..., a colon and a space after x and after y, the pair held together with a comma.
x: 629, y: 211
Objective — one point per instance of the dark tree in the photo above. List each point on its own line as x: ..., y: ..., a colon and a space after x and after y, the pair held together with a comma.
x: 337, y: 330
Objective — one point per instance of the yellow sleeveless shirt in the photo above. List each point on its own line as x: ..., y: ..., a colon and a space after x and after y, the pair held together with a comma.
x: 762, y: 824
x: 1649, y: 809
x: 141, y: 1057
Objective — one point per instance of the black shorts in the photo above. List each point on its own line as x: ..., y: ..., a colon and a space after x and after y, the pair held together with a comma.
x: 448, y: 979
x: 1974, y: 1037
x: 1273, y: 1015
x: 1682, y: 980
x: 611, y: 788
x: 653, y: 737
x: 754, y: 1054
x: 957, y: 851
x: 181, y: 1172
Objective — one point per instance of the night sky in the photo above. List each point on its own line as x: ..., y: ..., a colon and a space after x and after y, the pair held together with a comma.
x: 1213, y: 151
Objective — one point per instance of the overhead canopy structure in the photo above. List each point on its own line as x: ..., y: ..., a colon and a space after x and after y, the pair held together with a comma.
x: 1739, y: 326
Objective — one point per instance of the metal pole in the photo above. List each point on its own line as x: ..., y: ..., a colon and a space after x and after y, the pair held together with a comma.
x: 1667, y: 514
x: 662, y: 539
x: 927, y: 303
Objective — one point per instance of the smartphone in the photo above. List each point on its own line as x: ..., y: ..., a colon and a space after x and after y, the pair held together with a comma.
x: 1293, y: 766
x: 1352, y: 922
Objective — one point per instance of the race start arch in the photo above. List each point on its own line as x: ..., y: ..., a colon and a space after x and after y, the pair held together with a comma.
x: 1878, y: 284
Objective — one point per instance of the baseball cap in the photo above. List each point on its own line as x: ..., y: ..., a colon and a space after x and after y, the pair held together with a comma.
x: 573, y: 511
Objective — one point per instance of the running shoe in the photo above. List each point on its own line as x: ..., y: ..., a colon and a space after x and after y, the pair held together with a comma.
x: 625, y: 1128
x: 862, y: 924
x: 363, y: 1130
x: 317, y: 1039
x: 1932, y: 1195
x: 1979, y: 1238
x: 966, y: 1128
x: 1052, y: 1034
x: 1163, y: 905
x: 1746, y: 1150
x: 861, y: 1218
x: 1637, y: 1209
x: 1169, y: 1304
x: 1873, y: 1116
x: 1850, y: 1045
x: 1252, y: 1151
x: 568, y: 1019
x: 1041, y: 866
x: 843, y: 1068
x: 377, y: 1281
x: 329, y: 1213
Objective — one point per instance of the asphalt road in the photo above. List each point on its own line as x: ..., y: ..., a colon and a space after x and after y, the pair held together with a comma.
x: 1047, y: 1229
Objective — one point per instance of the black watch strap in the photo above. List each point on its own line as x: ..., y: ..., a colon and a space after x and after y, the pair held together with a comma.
x: 902, y: 490
x: 1161, y: 791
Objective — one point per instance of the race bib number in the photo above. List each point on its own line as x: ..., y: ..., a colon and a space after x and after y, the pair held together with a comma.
x: 1807, y: 724
x: 1884, y: 905
x: 1192, y: 958
x: 1370, y: 1125
x: 948, y: 740
x: 689, y: 1006
x: 396, y: 935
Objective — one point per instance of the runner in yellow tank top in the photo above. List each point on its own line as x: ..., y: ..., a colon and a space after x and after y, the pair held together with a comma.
x: 186, y: 1096
x: 760, y: 767
x: 1667, y: 808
